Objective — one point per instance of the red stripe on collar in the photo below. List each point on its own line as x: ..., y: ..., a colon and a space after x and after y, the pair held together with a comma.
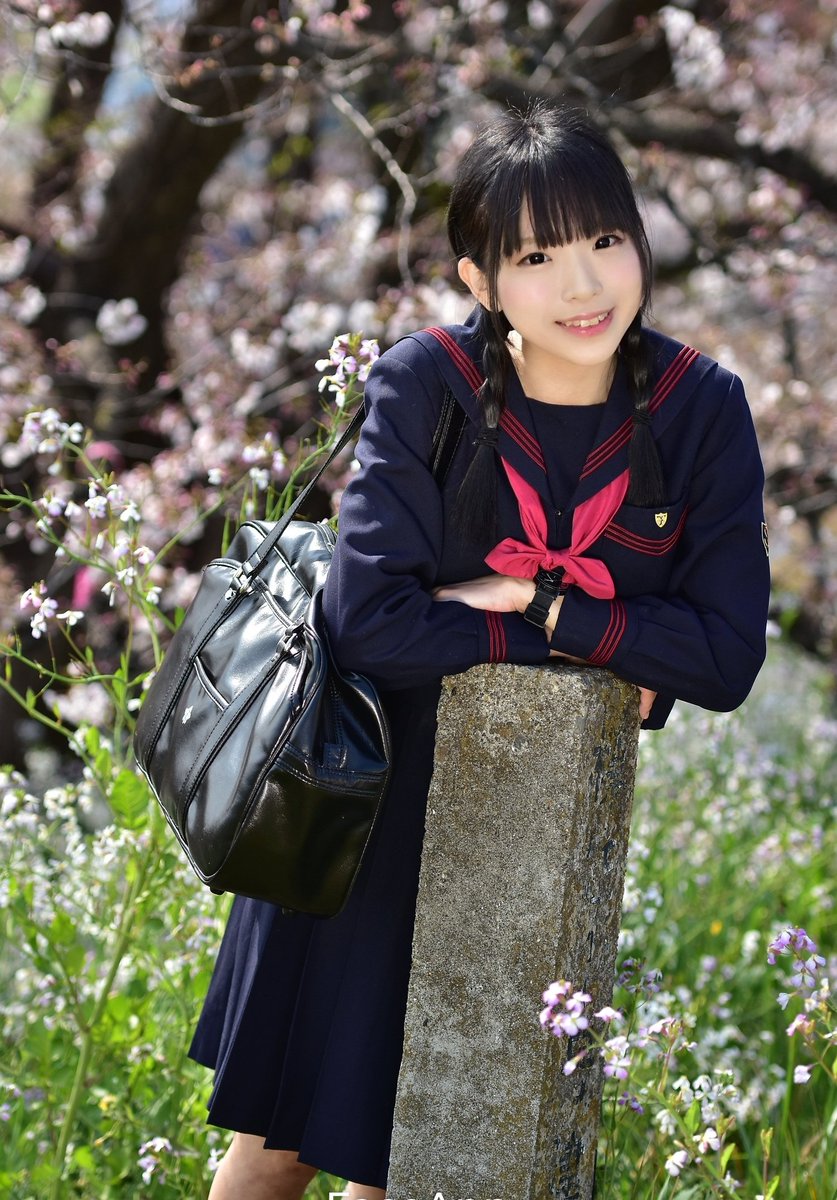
x: 672, y: 375
x: 467, y: 367
x: 509, y: 423
x: 521, y: 435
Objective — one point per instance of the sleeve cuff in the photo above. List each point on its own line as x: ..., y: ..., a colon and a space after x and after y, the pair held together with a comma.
x: 507, y: 637
x: 598, y: 631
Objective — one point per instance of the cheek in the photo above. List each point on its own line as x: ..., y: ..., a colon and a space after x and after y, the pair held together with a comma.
x: 518, y: 294
x: 630, y: 276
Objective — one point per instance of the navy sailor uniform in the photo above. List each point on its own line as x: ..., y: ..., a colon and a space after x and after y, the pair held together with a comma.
x: 304, y: 1018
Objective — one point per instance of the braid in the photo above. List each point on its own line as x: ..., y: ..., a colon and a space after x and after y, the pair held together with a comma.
x: 476, y: 502
x: 647, y: 484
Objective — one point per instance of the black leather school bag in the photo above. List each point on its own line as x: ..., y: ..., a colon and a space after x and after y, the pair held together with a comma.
x: 270, y: 762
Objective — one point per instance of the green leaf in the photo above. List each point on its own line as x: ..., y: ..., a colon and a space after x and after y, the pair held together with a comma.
x: 83, y: 1158
x: 119, y: 1007
x: 62, y: 930
x: 74, y: 959
x: 43, y: 1174
x: 726, y: 1155
x: 129, y: 799
x: 103, y: 763
x: 692, y: 1119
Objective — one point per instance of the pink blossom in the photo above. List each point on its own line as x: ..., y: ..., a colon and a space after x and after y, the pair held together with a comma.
x: 608, y: 1014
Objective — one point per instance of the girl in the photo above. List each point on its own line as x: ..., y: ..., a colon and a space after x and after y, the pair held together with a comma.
x: 603, y: 504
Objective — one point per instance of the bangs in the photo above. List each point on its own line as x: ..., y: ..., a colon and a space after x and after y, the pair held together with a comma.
x: 553, y: 166
x: 566, y: 201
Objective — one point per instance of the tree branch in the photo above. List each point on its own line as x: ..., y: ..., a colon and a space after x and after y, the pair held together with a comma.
x: 76, y: 95
x: 685, y: 131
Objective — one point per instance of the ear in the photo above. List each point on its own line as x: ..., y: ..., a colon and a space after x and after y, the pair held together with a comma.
x: 474, y: 280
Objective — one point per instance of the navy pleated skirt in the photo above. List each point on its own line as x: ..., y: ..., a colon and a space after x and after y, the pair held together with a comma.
x: 303, y: 1023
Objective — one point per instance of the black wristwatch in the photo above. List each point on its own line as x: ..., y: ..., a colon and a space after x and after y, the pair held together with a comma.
x: 548, y: 585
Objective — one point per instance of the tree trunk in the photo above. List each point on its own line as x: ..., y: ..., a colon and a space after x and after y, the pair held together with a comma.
x: 152, y: 197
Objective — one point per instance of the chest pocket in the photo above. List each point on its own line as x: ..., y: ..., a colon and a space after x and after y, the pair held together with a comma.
x: 639, y: 543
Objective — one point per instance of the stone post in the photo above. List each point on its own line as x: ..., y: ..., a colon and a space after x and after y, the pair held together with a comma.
x: 521, y: 884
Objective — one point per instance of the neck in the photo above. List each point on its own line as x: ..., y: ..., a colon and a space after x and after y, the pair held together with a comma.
x: 574, y: 383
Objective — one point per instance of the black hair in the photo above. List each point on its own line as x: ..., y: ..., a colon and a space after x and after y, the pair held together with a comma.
x: 556, y: 162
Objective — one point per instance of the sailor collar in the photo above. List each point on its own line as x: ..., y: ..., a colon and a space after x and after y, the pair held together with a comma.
x: 678, y: 369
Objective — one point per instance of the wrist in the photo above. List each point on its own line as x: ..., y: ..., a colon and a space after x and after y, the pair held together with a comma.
x: 548, y: 587
x: 552, y: 617
x: 526, y: 594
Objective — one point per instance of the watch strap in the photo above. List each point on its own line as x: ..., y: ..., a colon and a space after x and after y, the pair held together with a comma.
x: 548, y: 585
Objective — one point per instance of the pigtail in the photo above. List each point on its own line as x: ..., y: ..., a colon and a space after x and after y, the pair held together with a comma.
x: 476, y: 502
x: 647, y: 484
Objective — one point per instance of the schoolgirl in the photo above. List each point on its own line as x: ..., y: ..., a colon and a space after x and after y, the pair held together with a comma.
x: 603, y: 504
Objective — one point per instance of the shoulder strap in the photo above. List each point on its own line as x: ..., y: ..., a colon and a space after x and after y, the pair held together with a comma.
x: 452, y: 421
x: 251, y: 566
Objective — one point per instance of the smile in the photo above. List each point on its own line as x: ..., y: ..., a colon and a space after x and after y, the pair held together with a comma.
x: 588, y: 327
x: 586, y: 322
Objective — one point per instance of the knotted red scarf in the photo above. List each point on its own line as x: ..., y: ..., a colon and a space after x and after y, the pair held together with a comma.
x: 522, y: 559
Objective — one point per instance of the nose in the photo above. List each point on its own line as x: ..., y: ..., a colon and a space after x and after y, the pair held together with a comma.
x: 581, y: 277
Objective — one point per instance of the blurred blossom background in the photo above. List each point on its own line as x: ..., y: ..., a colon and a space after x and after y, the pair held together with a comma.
x: 213, y: 215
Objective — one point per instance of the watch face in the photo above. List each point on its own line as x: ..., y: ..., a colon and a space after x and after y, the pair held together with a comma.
x: 550, y: 582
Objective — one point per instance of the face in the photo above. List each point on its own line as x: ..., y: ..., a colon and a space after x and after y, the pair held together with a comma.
x: 571, y: 304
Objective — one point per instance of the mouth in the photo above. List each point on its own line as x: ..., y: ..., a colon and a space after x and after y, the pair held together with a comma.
x: 588, y: 324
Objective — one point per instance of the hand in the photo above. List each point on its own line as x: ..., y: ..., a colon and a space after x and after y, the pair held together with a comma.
x: 507, y: 593
x: 646, y: 695
x: 497, y: 593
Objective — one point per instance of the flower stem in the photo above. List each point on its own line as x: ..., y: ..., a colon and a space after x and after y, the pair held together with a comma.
x: 126, y: 920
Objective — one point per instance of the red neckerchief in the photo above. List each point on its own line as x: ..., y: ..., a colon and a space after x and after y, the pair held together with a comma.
x: 522, y: 559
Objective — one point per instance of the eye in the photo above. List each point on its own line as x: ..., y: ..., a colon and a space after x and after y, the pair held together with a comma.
x: 533, y: 259
x: 606, y: 240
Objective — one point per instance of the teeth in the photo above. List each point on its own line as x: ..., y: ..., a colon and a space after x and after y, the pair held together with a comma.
x: 585, y: 324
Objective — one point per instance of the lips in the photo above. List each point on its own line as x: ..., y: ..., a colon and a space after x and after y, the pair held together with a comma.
x: 588, y: 324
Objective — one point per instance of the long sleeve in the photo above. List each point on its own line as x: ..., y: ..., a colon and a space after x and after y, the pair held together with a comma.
x: 704, y: 641
x: 380, y: 614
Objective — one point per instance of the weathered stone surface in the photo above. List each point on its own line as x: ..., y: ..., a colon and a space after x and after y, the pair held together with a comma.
x: 521, y: 884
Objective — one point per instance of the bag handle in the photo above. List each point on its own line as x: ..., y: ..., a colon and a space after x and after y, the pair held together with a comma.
x: 452, y: 420
x: 240, y: 581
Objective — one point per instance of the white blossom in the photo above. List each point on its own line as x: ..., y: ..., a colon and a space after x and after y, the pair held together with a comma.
x: 13, y: 256
x: 120, y: 321
x: 697, y: 56
x: 30, y: 305
x: 87, y: 29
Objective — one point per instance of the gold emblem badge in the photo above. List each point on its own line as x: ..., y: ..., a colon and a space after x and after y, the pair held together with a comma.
x: 661, y: 519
